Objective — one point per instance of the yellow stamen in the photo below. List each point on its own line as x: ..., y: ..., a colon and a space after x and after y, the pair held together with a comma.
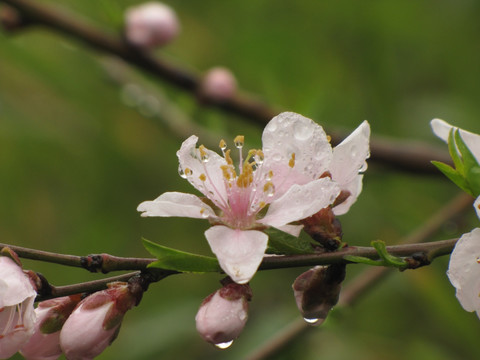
x: 187, y: 171
x: 223, y: 144
x: 202, y: 177
x: 329, y: 138
x: 228, y: 157
x: 203, y: 152
x: 291, y: 163
x: 268, y: 187
x: 239, y: 140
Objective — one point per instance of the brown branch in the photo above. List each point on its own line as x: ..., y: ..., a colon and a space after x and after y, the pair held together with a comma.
x: 362, y: 284
x: 398, y: 155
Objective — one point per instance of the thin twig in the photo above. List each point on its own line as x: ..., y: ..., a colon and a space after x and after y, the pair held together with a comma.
x: 413, y: 157
x: 359, y: 286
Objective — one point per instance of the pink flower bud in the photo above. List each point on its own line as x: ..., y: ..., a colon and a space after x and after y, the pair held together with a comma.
x: 223, y: 314
x: 51, y: 315
x: 150, y: 25
x: 218, y: 84
x: 17, y: 316
x: 317, y: 290
x: 95, y: 322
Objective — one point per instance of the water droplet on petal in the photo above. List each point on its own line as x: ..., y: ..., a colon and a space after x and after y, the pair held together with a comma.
x: 205, y: 158
x: 204, y: 213
x: 311, y: 321
x: 224, y: 345
x: 181, y: 172
x: 302, y: 132
x: 277, y: 157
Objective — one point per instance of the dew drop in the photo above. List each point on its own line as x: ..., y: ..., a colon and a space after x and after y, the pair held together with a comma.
x: 277, y: 157
x: 312, y: 321
x: 238, y: 144
x: 302, y: 132
x: 204, y: 213
x: 272, y: 127
x: 269, y: 189
x: 181, y: 172
x: 205, y: 158
x: 224, y: 345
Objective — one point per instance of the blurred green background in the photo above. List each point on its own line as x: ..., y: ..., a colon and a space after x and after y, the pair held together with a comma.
x: 84, y: 139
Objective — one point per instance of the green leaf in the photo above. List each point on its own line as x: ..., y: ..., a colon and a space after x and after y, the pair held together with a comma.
x: 363, y: 260
x: 473, y: 180
x: 453, y: 175
x: 389, y: 260
x: 469, y: 160
x: 452, y: 149
x: 172, y: 259
x: 282, y: 243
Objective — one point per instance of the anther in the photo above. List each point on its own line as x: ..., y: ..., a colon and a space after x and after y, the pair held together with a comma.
x: 228, y: 157
x: 222, y: 145
x: 291, y: 163
x: 202, y: 177
x: 203, y: 153
x: 239, y: 141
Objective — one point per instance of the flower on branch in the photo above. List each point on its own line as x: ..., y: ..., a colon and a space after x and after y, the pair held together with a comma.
x: 17, y: 315
x: 294, y: 176
x: 44, y: 344
x: 217, y: 84
x: 223, y: 314
x: 95, y: 322
x: 151, y: 25
x: 464, y: 266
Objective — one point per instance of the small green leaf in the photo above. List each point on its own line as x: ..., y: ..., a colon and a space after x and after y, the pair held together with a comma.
x: 473, y: 179
x: 469, y: 160
x: 282, y: 243
x: 452, y: 149
x: 172, y: 259
x: 363, y: 260
x: 389, y: 260
x: 453, y: 175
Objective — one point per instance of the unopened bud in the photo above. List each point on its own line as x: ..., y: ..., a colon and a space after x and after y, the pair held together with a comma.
x: 95, y: 322
x: 223, y: 314
x: 151, y: 25
x: 51, y: 315
x: 317, y: 290
x: 218, y: 84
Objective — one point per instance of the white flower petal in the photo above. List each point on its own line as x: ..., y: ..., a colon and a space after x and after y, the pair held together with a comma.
x: 464, y: 270
x: 349, y: 157
x: 239, y: 252
x: 289, y: 133
x: 354, y: 188
x: 300, y: 202
x: 291, y: 229
x: 176, y: 204
x: 214, y: 186
x: 442, y: 129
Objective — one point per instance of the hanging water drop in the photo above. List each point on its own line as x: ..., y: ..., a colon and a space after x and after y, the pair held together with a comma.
x: 269, y: 189
x: 205, y: 158
x: 239, y: 141
x: 224, y: 345
x: 312, y: 321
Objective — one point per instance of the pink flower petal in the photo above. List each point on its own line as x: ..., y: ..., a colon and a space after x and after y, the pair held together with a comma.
x: 214, y: 185
x: 176, y: 204
x: 441, y: 129
x: 354, y: 188
x: 464, y: 270
x: 239, y: 252
x: 300, y: 202
x: 349, y: 157
x: 290, y: 133
x: 291, y: 229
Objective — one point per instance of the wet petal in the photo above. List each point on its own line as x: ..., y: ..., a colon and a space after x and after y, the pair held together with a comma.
x: 290, y: 133
x: 300, y: 202
x: 441, y: 129
x: 349, y: 157
x: 239, y: 252
x: 476, y: 205
x: 214, y: 186
x: 464, y: 270
x: 176, y: 204
x: 354, y: 188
